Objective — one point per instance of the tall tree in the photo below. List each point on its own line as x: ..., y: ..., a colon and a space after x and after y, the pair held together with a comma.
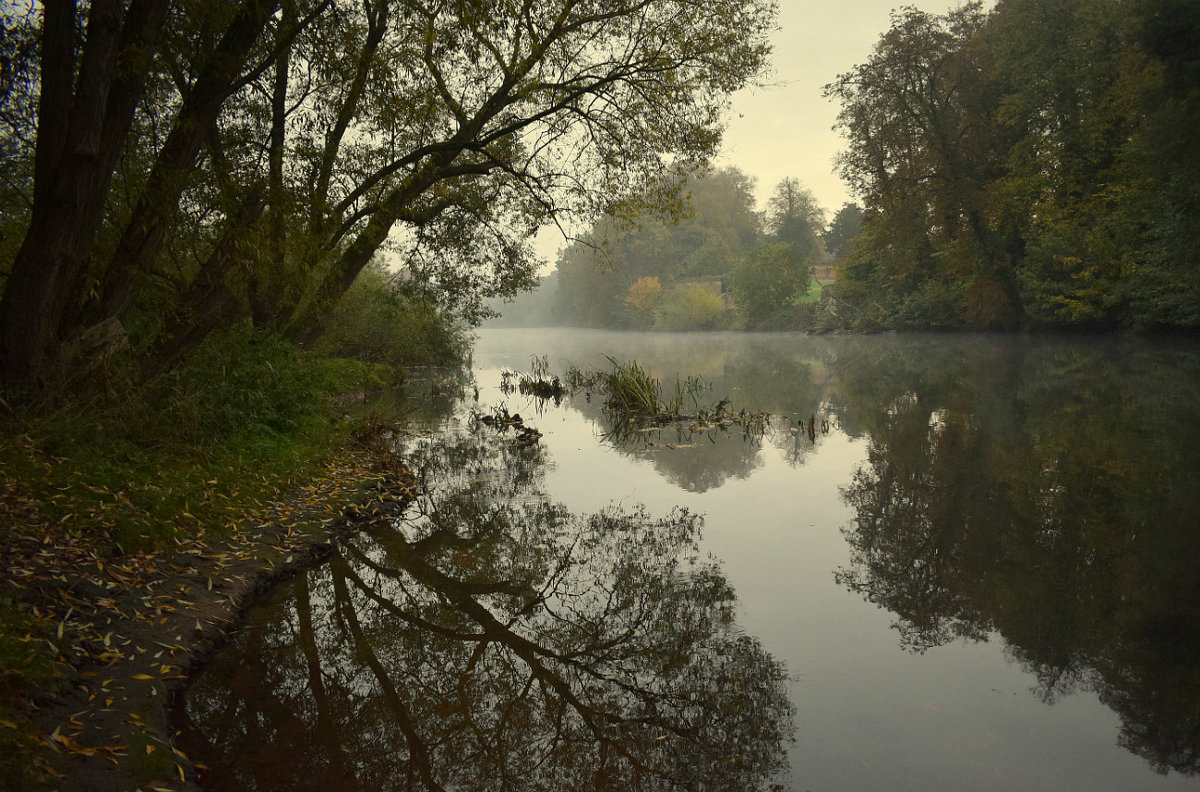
x: 844, y: 226
x: 448, y: 134
x: 1032, y: 164
x: 795, y: 217
x: 1069, y: 77
x: 19, y: 41
x: 510, y: 116
x: 1163, y: 169
x: 919, y: 118
x: 88, y: 93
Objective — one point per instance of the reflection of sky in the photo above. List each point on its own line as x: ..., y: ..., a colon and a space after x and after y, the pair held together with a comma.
x: 869, y: 716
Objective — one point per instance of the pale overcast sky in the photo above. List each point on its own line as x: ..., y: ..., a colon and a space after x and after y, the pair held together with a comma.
x: 786, y: 130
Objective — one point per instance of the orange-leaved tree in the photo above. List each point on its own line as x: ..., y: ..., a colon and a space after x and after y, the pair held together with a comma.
x: 644, y: 295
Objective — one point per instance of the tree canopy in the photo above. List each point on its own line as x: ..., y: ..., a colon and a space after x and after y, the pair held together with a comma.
x: 715, y: 226
x: 769, y: 278
x: 721, y: 245
x: 1032, y: 165
x: 795, y: 217
x: 173, y: 167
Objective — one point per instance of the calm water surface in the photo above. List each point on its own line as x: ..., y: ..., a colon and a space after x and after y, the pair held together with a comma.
x: 980, y: 572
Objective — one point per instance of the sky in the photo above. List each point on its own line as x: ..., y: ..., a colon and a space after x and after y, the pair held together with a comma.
x: 786, y: 129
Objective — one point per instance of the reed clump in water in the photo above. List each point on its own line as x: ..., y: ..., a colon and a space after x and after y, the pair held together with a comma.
x: 537, y: 382
x: 630, y: 388
x: 633, y: 391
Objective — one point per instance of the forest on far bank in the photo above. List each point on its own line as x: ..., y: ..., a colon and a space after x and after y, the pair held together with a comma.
x: 1034, y: 165
x: 721, y: 265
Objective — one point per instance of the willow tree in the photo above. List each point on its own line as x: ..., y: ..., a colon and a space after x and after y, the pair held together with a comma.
x: 123, y: 111
x: 494, y: 119
x: 447, y: 132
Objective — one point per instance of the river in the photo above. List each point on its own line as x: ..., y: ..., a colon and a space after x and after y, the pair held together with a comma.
x: 943, y: 562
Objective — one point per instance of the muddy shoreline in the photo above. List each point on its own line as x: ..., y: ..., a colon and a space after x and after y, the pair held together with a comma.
x: 139, y: 627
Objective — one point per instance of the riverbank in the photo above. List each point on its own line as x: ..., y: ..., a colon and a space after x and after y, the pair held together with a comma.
x: 97, y: 643
x: 137, y: 522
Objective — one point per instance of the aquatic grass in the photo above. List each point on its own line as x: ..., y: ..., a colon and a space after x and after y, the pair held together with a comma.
x: 689, y: 388
x: 632, y: 392
x: 630, y: 388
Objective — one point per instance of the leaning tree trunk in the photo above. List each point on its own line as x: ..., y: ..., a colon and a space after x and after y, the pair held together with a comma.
x: 208, y: 304
x: 81, y: 132
x: 140, y: 242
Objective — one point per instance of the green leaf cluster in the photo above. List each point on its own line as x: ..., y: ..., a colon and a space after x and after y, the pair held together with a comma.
x: 1032, y: 165
x: 769, y: 281
x: 720, y: 254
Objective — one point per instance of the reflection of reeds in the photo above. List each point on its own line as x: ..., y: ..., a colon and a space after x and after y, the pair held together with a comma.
x: 634, y: 401
x: 539, y: 382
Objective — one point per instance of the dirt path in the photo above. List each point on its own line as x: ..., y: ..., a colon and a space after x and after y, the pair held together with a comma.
x: 130, y: 629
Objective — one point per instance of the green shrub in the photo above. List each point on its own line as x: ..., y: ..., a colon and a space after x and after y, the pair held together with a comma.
x: 243, y: 380
x: 797, y: 316
x: 767, y: 281
x: 933, y: 305
x: 692, y: 306
x: 379, y: 321
x: 245, y: 414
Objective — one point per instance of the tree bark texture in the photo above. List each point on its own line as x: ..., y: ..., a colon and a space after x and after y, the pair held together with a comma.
x: 84, y: 132
x: 208, y: 304
x: 146, y: 230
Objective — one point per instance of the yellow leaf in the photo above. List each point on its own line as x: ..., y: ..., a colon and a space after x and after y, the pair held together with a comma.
x: 141, y: 676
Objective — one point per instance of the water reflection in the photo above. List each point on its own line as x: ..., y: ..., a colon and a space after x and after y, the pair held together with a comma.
x: 1046, y: 493
x: 692, y: 459
x: 1040, y: 491
x: 785, y: 382
x: 491, y: 640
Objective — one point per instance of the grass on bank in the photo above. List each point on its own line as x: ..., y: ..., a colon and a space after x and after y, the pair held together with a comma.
x: 813, y: 294
x: 248, y: 415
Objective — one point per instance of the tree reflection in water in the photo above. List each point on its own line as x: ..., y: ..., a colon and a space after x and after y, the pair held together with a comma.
x: 490, y: 640
x: 698, y: 457
x: 1047, y: 494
